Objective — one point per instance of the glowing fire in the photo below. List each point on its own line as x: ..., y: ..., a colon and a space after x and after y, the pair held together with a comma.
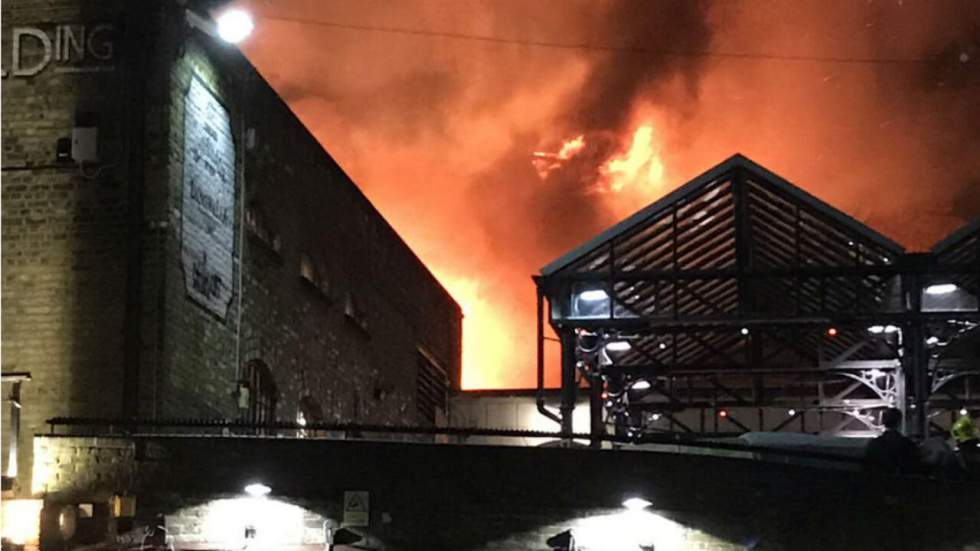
x: 488, y: 333
x: 639, y: 167
x: 545, y: 162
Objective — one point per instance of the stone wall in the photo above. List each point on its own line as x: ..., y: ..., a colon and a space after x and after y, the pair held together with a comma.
x: 491, y: 497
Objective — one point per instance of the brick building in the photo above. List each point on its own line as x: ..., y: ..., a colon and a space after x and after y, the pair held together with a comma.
x: 177, y: 244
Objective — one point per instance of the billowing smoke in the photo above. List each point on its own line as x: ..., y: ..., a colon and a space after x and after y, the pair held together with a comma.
x: 492, y: 158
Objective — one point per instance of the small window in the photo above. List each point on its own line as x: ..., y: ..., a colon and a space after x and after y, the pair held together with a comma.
x: 262, y: 393
x: 432, y: 389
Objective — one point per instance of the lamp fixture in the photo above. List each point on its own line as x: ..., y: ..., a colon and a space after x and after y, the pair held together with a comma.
x: 618, y: 346
x: 941, y: 289
x: 593, y: 295
x: 257, y: 489
x: 636, y: 504
x: 234, y: 25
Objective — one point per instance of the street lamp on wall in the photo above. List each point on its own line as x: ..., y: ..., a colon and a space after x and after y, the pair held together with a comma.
x: 232, y: 26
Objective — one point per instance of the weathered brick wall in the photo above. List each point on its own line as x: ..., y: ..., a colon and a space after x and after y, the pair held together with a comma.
x: 64, y: 246
x: 84, y: 468
x: 66, y: 235
x: 300, y: 207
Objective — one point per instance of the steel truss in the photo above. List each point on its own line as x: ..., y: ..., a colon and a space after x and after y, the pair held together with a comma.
x: 739, y: 302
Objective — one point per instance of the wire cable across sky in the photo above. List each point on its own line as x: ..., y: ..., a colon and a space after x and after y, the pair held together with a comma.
x: 594, y: 47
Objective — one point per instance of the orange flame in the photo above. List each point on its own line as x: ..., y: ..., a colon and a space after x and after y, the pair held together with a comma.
x: 545, y: 162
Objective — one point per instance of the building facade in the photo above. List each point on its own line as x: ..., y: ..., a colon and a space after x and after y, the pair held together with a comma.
x: 176, y: 244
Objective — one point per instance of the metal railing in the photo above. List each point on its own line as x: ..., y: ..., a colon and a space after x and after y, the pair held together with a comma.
x: 177, y: 427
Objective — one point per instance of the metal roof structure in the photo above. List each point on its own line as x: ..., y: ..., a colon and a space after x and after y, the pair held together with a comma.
x: 739, y: 293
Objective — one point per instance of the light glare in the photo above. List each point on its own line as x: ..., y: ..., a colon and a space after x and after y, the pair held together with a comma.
x: 234, y: 26
x: 257, y: 490
x: 641, y: 384
x: 636, y: 504
x: 593, y: 295
x: 618, y: 346
x: 941, y: 289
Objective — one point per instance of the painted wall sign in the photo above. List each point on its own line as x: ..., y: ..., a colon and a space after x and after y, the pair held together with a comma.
x: 208, y: 200
x: 67, y: 48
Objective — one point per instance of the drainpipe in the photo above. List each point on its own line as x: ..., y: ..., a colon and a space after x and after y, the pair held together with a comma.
x: 136, y: 38
x: 540, y: 344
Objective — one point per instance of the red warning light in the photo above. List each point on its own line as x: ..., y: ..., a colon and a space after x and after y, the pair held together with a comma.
x: 722, y: 413
x: 831, y: 331
x: 605, y: 395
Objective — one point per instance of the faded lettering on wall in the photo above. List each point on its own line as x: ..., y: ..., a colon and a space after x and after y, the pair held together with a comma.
x: 208, y: 200
x: 68, y: 48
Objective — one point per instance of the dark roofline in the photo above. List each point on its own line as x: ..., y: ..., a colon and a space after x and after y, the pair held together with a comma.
x: 957, y: 235
x: 736, y: 161
x: 237, y: 56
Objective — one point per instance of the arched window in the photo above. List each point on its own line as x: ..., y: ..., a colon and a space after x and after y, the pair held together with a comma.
x: 262, y: 392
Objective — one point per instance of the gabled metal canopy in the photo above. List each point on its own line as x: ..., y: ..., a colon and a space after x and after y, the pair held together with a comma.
x: 745, y: 288
x: 705, y: 184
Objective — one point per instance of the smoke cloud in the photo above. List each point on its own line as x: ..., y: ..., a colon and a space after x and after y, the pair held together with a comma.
x: 459, y: 142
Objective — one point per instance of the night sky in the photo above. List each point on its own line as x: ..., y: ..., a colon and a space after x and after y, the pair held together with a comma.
x: 495, y: 136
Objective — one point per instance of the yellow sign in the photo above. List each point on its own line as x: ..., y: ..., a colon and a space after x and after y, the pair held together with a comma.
x: 356, y: 509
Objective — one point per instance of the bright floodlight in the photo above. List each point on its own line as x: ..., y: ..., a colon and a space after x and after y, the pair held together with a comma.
x: 257, y: 490
x: 791, y: 412
x: 636, y: 504
x: 641, y: 384
x: 234, y: 25
x: 932, y: 340
x: 593, y: 295
x: 963, y: 411
x: 618, y: 346
x: 941, y: 289
x: 744, y: 331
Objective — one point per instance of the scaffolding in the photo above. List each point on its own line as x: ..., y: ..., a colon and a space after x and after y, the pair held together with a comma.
x: 740, y: 303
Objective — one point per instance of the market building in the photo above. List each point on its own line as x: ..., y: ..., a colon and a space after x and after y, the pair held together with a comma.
x: 176, y: 244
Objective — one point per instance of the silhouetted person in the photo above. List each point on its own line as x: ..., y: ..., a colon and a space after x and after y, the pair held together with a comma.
x: 892, y: 452
x: 965, y: 430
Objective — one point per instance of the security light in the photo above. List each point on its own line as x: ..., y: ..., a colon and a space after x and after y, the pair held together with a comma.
x: 932, y: 340
x: 257, y: 489
x: 745, y: 331
x: 663, y: 346
x: 791, y: 412
x: 963, y: 411
x: 641, y: 384
x: 618, y: 346
x: 234, y: 25
x: 941, y: 289
x: 636, y: 504
x: 879, y: 329
x: 593, y: 295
